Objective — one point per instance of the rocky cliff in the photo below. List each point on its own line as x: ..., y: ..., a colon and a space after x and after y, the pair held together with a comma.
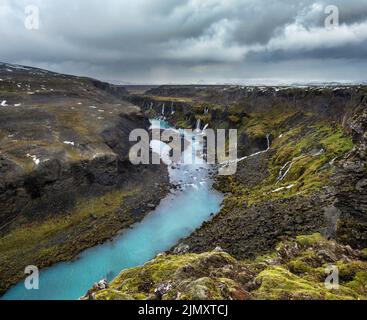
x: 66, y: 182
x: 312, y: 178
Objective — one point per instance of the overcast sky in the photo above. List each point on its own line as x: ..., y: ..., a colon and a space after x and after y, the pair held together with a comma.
x: 189, y: 41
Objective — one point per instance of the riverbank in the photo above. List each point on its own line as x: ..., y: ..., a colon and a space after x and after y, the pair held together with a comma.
x: 93, y: 222
x: 182, y: 211
x: 66, y: 182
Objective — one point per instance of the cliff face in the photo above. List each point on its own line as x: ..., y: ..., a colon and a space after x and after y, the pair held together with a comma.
x: 310, y: 180
x: 350, y: 179
x: 254, y: 111
x: 66, y: 182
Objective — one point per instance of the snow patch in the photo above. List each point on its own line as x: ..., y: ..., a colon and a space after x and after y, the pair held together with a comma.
x: 36, y: 160
x: 283, y: 188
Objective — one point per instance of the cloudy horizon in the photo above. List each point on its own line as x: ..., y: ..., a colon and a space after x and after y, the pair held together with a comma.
x: 190, y: 41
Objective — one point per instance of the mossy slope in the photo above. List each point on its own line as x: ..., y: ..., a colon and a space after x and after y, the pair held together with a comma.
x: 295, y: 270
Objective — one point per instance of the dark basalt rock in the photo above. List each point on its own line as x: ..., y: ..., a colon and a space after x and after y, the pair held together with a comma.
x: 350, y: 179
x: 64, y: 142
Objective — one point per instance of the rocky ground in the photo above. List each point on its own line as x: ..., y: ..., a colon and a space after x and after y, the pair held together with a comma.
x: 66, y: 183
x: 296, y: 269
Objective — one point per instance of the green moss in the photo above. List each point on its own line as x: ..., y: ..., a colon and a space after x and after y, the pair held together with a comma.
x: 205, y: 118
x: 31, y: 235
x: 310, y: 240
x: 234, y: 119
x: 156, y: 271
x: 75, y: 121
x: 184, y: 124
x: 261, y: 124
x: 277, y: 283
x: 169, y: 99
x: 359, y: 282
x: 180, y: 269
x: 113, y: 295
x: 40, y: 241
x: 299, y: 266
x: 202, y: 289
x: 292, y: 271
x: 309, y: 150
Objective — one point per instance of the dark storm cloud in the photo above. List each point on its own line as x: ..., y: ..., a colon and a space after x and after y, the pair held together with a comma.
x: 187, y: 40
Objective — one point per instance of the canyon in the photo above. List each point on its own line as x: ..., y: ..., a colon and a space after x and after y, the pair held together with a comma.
x: 296, y: 203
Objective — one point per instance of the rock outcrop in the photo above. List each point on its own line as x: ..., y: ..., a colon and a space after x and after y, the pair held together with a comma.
x: 298, y: 269
x: 350, y: 179
x: 66, y: 182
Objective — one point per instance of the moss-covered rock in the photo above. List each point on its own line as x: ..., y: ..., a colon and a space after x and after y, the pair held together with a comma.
x: 296, y: 270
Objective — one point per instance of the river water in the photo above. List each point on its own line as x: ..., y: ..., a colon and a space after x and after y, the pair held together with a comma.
x: 177, y: 216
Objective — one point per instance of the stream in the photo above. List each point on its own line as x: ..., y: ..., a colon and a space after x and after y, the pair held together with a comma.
x: 177, y: 216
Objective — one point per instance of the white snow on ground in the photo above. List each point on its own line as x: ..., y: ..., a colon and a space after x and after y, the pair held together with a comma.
x: 69, y: 143
x: 3, y: 103
x: 100, y: 110
x: 79, y: 103
x: 283, y: 188
x: 36, y: 160
x: 93, y: 107
x: 17, y: 105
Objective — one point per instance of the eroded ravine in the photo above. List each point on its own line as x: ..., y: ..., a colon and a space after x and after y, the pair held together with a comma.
x: 177, y: 216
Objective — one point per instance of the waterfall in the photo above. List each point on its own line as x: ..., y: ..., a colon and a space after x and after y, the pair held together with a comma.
x: 257, y: 153
x: 268, y: 140
x: 198, y: 125
x: 151, y: 105
x: 206, y: 110
x: 163, y: 109
x: 206, y: 127
x: 172, y: 109
x: 282, y: 175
